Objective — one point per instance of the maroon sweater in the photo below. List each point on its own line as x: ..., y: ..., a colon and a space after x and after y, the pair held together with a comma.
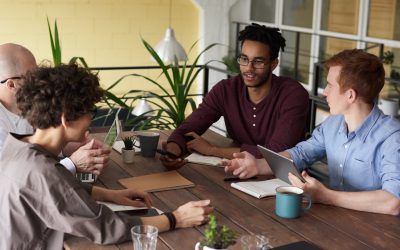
x: 278, y: 122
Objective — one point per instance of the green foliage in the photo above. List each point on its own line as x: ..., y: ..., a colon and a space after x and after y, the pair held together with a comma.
x: 217, y: 236
x: 129, y: 141
x: 169, y: 103
x: 56, y: 47
x: 231, y: 64
x: 110, y: 99
x: 388, y: 58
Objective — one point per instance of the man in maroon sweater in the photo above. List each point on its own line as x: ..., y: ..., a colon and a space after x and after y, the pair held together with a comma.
x: 258, y: 107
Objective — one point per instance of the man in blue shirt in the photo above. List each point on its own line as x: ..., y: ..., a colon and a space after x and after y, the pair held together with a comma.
x: 362, y: 144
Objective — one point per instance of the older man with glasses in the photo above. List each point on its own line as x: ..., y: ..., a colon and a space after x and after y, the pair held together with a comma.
x: 258, y: 107
x: 15, y: 62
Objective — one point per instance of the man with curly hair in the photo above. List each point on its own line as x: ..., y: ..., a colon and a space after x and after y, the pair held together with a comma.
x: 15, y: 62
x: 40, y: 201
x: 258, y: 107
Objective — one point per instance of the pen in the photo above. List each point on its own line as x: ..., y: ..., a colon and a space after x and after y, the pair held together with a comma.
x: 235, y: 178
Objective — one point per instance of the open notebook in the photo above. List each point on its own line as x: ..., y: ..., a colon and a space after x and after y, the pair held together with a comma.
x: 259, y: 189
x: 204, y: 159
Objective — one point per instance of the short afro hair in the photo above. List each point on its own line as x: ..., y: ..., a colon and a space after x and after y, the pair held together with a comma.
x: 49, y: 92
x: 267, y: 35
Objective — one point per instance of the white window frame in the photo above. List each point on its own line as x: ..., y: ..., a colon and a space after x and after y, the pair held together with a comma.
x: 361, y: 37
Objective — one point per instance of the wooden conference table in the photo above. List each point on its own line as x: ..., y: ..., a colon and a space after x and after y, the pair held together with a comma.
x: 325, y: 226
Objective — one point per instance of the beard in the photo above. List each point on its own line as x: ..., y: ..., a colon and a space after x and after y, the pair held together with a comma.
x: 264, y: 78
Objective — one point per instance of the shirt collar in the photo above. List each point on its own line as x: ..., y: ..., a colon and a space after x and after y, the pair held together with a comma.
x: 362, y: 131
x: 18, y: 138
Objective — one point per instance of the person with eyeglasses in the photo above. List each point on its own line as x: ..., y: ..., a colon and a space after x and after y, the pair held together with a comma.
x: 360, y: 142
x: 40, y: 201
x: 258, y: 107
x: 90, y: 156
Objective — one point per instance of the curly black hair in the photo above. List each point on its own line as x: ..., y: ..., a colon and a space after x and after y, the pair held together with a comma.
x: 49, y: 92
x: 267, y: 35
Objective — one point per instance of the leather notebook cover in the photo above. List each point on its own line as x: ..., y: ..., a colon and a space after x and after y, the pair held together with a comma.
x: 157, y: 182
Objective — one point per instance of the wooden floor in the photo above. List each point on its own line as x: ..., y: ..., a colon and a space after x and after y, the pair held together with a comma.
x: 325, y: 226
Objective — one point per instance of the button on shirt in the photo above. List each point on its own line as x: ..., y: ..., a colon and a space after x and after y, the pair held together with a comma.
x: 365, y: 159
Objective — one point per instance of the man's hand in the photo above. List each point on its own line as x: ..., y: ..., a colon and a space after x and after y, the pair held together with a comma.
x: 193, y: 213
x: 243, y: 165
x: 91, y: 157
x: 199, y: 144
x: 128, y: 197
x: 315, y: 189
x: 173, y: 148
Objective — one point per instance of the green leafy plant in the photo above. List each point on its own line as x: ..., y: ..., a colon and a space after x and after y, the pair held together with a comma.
x: 388, y: 58
x: 129, y: 141
x: 56, y: 47
x: 110, y: 99
x: 170, y: 103
x: 218, y: 236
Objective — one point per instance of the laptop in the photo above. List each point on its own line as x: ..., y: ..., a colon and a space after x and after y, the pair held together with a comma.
x: 280, y: 165
x: 111, y: 137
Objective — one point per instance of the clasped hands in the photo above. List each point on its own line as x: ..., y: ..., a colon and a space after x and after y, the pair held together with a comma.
x: 90, y: 157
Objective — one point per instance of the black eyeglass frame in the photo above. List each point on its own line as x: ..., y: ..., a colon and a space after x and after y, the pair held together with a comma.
x: 252, y: 62
x: 11, y: 78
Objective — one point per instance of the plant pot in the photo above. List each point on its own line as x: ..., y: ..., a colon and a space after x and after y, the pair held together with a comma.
x: 389, y: 106
x: 198, y: 247
x: 128, y: 155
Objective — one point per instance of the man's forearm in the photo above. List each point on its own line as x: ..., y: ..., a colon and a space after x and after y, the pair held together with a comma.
x: 223, y: 152
x: 378, y: 201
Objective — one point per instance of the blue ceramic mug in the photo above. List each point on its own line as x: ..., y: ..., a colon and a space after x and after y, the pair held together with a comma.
x: 289, y: 202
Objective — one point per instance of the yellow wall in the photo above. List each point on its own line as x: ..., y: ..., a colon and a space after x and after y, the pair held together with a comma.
x: 104, y: 32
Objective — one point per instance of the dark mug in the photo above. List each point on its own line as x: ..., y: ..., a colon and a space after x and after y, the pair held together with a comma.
x: 148, y: 143
x: 289, y: 202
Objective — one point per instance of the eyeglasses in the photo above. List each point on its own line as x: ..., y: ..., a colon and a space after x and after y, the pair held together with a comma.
x: 11, y: 78
x: 257, y: 63
x: 93, y: 111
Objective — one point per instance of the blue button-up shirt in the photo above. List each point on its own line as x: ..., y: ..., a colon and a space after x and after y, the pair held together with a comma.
x: 365, y: 159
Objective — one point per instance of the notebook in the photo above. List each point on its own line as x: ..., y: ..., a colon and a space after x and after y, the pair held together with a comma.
x: 203, y: 159
x: 157, y: 182
x: 259, y: 189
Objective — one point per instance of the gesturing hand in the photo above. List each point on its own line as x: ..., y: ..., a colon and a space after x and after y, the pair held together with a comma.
x: 243, y: 165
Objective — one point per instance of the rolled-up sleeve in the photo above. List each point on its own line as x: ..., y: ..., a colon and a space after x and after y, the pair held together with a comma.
x: 307, y: 152
x: 389, y: 171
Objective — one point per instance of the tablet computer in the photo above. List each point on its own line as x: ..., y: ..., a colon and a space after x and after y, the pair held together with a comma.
x: 280, y: 165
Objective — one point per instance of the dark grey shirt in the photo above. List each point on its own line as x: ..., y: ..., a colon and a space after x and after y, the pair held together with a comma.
x: 40, y: 201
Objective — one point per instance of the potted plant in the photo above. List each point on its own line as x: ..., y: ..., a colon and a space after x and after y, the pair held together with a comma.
x: 216, y: 236
x: 169, y: 103
x: 128, y: 152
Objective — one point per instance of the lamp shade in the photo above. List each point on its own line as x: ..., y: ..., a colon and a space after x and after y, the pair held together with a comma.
x: 169, y: 48
x: 141, y: 108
